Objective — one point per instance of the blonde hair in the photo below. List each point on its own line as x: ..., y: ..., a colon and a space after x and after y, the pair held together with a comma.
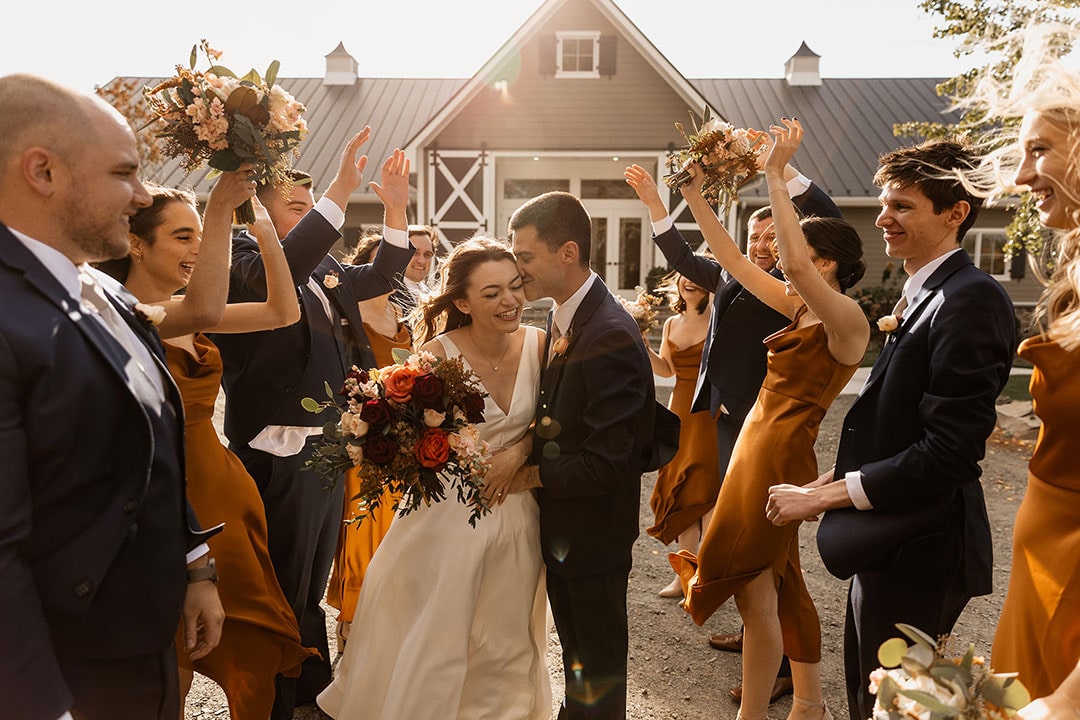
x: 1045, y: 80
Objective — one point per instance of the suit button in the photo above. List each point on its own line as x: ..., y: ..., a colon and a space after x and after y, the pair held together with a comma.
x: 84, y: 588
x: 130, y: 506
x: 288, y: 390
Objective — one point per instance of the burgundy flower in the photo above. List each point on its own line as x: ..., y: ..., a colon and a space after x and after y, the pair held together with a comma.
x: 380, y: 449
x: 428, y: 392
x: 376, y: 412
x: 473, y: 405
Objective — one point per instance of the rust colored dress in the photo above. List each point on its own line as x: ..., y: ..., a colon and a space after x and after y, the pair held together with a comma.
x: 260, y: 637
x: 686, y: 487
x: 358, y: 542
x: 776, y: 446
x: 1038, y: 634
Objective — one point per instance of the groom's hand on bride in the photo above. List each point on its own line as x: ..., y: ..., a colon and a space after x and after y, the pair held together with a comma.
x: 502, y: 467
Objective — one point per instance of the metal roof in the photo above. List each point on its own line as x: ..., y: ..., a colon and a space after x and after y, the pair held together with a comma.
x: 395, y: 108
x: 848, y: 121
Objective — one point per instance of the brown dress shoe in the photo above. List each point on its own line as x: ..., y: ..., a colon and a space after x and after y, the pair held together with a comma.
x: 731, y: 642
x: 783, y: 686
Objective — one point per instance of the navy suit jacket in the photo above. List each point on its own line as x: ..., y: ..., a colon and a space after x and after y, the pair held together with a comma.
x: 268, y: 373
x: 94, y: 526
x: 733, y: 360
x: 918, y: 428
x: 594, y: 436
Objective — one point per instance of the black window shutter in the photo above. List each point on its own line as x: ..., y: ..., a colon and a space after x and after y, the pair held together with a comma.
x: 547, y: 47
x: 607, y: 55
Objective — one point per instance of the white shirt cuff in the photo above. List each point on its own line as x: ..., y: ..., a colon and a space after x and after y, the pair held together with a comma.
x: 856, y: 492
x: 396, y: 237
x: 331, y: 212
x: 198, y: 552
x: 662, y: 225
x: 65, y: 716
x: 797, y: 185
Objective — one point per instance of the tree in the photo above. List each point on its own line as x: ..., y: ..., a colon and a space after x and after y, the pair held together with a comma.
x: 125, y: 94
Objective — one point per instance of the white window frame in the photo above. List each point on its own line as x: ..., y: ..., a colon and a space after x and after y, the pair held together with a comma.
x: 976, y: 257
x: 577, y: 35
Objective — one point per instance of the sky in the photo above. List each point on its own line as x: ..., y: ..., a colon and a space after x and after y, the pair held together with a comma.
x: 86, y: 43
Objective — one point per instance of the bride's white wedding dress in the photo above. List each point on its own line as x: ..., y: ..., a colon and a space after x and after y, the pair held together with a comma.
x: 451, y: 619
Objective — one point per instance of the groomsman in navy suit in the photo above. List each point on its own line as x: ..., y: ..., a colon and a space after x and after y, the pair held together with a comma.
x: 906, y: 518
x: 594, y: 438
x: 99, y: 552
x: 268, y: 373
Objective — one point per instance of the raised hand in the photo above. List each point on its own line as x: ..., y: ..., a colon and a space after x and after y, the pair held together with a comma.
x: 765, y: 139
x: 232, y: 189
x: 697, y: 180
x: 350, y: 173
x: 393, y: 191
x: 786, y: 140
x: 639, y: 178
x: 263, y: 227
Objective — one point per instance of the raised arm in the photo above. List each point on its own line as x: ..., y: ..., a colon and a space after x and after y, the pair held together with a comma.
x: 281, y: 307
x: 763, y: 285
x: 844, y: 322
x: 203, y: 303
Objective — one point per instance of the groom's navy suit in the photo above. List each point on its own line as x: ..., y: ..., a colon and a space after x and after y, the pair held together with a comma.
x: 266, y: 376
x: 94, y: 525
x: 917, y: 432
x: 594, y: 438
x: 733, y: 360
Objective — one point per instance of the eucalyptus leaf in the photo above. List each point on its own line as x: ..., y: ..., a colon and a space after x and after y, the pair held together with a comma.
x: 329, y: 390
x: 955, y: 673
x: 194, y: 57
x: 221, y: 71
x: 1006, y: 691
x: 892, y: 652
x: 400, y: 355
x: 928, y: 701
x: 920, y: 655
x: 271, y: 73
x: 310, y: 405
x: 253, y: 77
x: 917, y: 635
x: 225, y: 160
x: 887, y: 690
x: 969, y: 656
x: 213, y: 174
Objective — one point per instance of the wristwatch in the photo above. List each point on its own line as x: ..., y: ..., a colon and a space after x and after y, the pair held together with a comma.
x: 206, y: 572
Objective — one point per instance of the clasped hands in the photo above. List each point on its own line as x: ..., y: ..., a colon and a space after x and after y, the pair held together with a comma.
x: 792, y: 503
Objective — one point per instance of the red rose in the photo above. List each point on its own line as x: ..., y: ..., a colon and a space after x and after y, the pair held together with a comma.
x: 375, y: 412
x: 427, y: 392
x: 433, y: 448
x: 380, y: 449
x: 473, y: 405
x: 398, y: 382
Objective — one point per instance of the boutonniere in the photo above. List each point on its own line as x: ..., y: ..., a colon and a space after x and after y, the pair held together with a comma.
x: 331, y: 280
x: 889, y: 323
x: 562, y: 344
x: 150, y: 314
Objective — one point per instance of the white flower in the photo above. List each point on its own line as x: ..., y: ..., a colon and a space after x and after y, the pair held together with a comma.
x: 331, y: 280
x: 889, y: 323
x: 434, y: 418
x: 153, y: 314
x: 353, y: 425
x: 356, y: 453
x: 370, y: 389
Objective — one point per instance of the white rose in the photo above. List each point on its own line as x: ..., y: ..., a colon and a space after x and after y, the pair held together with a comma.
x: 434, y: 418
x: 889, y: 323
x: 356, y: 453
x: 353, y: 425
x: 153, y: 314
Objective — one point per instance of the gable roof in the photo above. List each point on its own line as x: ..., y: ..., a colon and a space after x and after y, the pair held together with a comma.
x: 489, y: 73
x: 849, y: 122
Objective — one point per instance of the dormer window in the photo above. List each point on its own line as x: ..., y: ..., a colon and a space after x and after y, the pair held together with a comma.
x: 577, y: 55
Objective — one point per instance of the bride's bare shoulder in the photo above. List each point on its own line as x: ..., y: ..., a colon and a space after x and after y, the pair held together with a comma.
x: 435, y: 347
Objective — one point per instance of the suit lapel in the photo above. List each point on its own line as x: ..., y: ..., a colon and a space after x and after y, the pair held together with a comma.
x: 585, y: 311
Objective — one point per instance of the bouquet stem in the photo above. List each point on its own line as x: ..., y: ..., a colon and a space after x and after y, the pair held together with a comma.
x: 244, y: 214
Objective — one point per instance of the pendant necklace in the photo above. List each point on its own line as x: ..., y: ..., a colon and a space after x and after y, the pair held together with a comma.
x: 494, y: 365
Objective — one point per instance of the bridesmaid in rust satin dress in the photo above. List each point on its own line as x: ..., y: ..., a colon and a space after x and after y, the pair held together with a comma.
x: 171, y: 248
x: 685, y: 492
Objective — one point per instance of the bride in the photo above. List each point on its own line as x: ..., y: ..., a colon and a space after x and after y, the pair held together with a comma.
x: 451, y: 619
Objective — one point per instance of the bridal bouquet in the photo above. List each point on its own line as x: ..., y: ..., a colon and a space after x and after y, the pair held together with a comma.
x: 727, y: 155
x: 217, y: 118
x: 924, y: 682
x: 410, y: 429
x: 642, y: 309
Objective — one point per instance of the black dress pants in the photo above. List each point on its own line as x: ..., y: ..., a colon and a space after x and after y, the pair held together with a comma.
x: 142, y: 687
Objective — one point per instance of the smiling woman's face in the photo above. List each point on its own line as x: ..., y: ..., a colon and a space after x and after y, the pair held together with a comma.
x: 169, y: 260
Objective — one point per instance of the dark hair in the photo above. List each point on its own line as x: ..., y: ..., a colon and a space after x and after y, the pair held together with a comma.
x: 837, y: 240
x: 762, y: 213
x: 296, y: 177
x: 145, y: 222
x: 931, y: 167
x: 364, y: 252
x: 438, y: 314
x: 431, y: 232
x: 669, y: 285
x: 559, y: 218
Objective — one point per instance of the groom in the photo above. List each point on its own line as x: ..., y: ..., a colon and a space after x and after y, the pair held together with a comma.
x: 594, y: 430
x: 906, y: 517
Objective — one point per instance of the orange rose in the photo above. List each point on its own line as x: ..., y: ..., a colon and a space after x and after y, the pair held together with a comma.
x: 433, y: 448
x: 398, y: 382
